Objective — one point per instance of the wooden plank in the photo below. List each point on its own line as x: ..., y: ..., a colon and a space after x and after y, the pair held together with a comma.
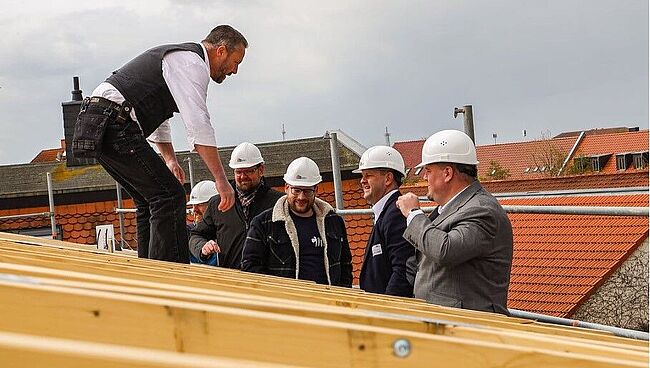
x: 570, y: 345
x: 241, y: 334
x: 256, y: 289
x: 433, y: 312
x: 19, y: 350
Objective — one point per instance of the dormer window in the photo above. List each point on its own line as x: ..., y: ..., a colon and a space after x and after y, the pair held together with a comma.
x: 640, y: 160
x: 623, y: 160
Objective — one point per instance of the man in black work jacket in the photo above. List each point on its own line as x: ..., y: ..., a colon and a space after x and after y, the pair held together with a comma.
x: 301, y: 237
x: 384, y: 263
x: 225, y: 232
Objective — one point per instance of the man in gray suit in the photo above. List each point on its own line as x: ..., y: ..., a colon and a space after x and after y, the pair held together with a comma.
x: 465, y: 246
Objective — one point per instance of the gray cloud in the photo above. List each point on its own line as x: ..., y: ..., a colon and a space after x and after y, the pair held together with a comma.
x: 357, y: 66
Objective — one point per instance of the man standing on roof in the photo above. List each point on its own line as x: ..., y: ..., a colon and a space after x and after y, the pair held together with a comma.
x: 384, y: 263
x: 199, y: 198
x: 225, y: 232
x: 136, y: 102
x: 301, y: 237
x: 466, y: 243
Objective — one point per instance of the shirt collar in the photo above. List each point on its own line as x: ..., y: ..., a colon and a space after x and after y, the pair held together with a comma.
x: 379, y: 206
x: 442, y: 208
x: 205, y: 56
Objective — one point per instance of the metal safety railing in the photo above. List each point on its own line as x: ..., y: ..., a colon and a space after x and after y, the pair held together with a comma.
x: 51, y: 214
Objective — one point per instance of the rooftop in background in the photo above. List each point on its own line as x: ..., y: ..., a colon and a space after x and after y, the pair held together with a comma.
x: 560, y: 260
x: 30, y: 179
x: 607, y: 182
x: 540, y: 159
x: 51, y: 155
x: 597, y: 131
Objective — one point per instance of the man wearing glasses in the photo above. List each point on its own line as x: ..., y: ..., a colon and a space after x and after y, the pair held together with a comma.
x: 225, y: 232
x: 301, y: 237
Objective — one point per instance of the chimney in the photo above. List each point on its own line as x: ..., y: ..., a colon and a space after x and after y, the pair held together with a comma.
x: 70, y: 112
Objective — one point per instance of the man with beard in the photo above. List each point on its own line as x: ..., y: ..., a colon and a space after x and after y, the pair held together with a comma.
x: 301, y: 237
x: 384, y: 263
x: 134, y: 103
x: 466, y: 244
x: 225, y: 232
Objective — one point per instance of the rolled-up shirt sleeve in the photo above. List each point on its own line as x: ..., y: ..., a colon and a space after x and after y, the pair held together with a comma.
x: 187, y: 77
x: 163, y: 134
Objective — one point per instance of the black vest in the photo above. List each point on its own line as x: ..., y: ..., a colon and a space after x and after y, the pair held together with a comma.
x: 141, y: 83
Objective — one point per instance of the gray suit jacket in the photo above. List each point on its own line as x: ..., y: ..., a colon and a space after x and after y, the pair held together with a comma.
x: 466, y: 253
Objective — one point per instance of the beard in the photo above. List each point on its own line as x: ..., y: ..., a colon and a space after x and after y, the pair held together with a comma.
x: 247, y: 186
x: 300, y: 207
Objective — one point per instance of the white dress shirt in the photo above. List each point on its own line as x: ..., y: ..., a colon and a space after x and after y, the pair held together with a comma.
x: 379, y: 206
x: 187, y: 77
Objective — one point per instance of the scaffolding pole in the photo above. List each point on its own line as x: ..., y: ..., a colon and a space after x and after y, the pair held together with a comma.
x: 336, y: 170
x: 556, y: 210
x: 190, y: 168
x: 50, y: 196
x: 622, y: 332
x: 120, y: 215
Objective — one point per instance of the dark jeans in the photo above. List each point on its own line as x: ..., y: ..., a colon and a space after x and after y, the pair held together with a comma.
x: 159, y: 197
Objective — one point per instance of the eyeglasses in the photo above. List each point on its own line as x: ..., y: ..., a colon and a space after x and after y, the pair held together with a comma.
x: 297, y: 191
x: 246, y: 172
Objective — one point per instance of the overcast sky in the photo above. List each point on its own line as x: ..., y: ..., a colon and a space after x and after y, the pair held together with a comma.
x: 358, y: 66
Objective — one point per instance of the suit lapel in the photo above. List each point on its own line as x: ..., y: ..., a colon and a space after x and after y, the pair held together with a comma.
x: 391, y: 202
x: 458, y: 202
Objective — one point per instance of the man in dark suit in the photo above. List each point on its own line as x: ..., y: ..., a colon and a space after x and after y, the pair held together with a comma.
x: 384, y: 263
x: 466, y: 245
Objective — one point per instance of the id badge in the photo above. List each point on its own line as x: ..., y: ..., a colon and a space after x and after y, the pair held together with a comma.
x: 376, y: 250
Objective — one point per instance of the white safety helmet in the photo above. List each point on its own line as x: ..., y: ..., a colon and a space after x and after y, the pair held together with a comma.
x: 202, y: 192
x: 451, y: 146
x: 245, y: 155
x: 381, y: 157
x: 302, y: 172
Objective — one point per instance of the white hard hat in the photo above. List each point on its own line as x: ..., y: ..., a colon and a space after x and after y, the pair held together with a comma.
x: 245, y: 155
x: 451, y: 146
x: 202, y: 192
x: 379, y: 157
x: 302, y: 172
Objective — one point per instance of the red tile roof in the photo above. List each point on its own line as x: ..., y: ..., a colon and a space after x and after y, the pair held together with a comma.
x: 77, y: 221
x: 48, y: 155
x: 519, y: 156
x: 560, y: 260
x: 515, y: 157
x: 411, y: 151
x: 627, y: 179
x: 597, y: 144
x: 595, y: 131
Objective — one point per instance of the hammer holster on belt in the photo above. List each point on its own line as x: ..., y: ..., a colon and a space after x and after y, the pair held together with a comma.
x: 89, y: 129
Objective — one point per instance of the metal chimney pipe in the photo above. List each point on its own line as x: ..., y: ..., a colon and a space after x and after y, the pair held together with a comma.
x: 76, y: 93
x: 468, y: 119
